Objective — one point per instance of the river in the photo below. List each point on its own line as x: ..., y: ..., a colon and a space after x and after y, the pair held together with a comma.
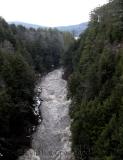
x: 51, y: 141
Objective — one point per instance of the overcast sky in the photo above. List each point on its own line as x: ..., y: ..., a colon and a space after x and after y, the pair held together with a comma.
x: 48, y: 12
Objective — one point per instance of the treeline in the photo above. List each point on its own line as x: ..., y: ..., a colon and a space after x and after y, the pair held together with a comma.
x: 24, y: 53
x: 95, y: 67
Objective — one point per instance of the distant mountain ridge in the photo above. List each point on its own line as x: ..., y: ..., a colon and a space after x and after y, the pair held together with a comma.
x: 76, y: 30
x: 27, y: 25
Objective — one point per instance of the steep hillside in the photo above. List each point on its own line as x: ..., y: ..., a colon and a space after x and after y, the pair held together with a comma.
x: 95, y: 67
x: 24, y: 54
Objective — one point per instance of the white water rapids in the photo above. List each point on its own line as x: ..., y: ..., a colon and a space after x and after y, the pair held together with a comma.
x: 51, y: 141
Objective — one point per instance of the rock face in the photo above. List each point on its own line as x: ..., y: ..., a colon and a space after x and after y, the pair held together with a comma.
x: 51, y: 141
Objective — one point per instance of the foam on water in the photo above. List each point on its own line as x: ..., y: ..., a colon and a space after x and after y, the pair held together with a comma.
x: 51, y: 141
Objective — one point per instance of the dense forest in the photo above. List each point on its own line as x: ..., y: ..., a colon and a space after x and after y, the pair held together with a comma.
x: 24, y: 54
x: 94, y: 70
x: 94, y: 65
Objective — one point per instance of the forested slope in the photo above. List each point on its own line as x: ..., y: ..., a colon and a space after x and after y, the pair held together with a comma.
x: 24, y: 53
x: 96, y: 86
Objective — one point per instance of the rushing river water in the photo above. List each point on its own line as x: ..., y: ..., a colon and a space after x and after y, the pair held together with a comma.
x: 51, y: 141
